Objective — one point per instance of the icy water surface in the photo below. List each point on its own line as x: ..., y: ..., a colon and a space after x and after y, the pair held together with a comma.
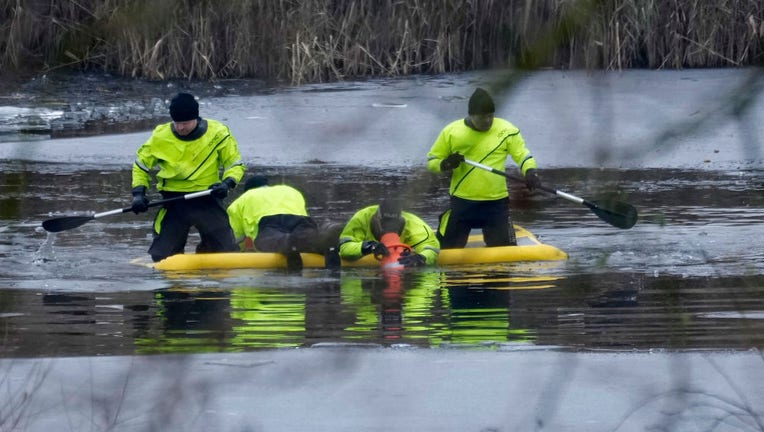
x: 687, y: 276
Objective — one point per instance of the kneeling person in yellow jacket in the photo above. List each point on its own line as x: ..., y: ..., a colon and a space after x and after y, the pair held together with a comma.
x: 188, y: 154
x: 362, y: 233
x: 275, y: 218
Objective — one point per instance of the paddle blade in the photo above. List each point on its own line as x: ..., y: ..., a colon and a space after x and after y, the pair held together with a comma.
x: 65, y: 223
x: 616, y: 213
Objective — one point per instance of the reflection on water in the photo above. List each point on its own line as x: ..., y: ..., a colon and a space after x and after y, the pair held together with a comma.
x: 405, y: 308
x: 411, y: 309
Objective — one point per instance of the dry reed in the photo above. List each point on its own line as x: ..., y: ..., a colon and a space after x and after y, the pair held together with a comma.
x: 320, y: 40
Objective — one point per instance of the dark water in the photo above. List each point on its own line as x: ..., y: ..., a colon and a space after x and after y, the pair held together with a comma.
x: 686, y: 276
x: 689, y: 275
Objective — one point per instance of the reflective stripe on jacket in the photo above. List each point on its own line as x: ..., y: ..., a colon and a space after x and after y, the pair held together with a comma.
x: 491, y: 148
x: 188, y: 166
x: 416, y: 233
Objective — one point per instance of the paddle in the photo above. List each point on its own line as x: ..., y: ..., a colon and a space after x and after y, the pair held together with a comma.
x: 618, y: 214
x: 64, y: 223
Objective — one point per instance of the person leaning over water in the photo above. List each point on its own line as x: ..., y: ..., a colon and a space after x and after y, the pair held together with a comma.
x: 275, y: 219
x: 479, y: 199
x: 190, y: 151
x: 362, y: 233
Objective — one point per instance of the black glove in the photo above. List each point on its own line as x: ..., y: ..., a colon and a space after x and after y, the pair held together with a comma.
x: 451, y: 162
x: 377, y: 248
x: 220, y: 190
x: 140, y: 202
x: 532, y: 180
x: 412, y: 260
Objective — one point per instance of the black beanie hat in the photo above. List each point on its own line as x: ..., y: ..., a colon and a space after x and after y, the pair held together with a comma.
x: 184, y: 107
x: 255, y: 182
x: 481, y: 103
x: 390, y: 208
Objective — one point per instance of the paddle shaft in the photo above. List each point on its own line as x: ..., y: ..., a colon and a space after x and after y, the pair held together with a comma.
x: 64, y: 223
x: 156, y: 203
x: 618, y: 214
x: 560, y: 194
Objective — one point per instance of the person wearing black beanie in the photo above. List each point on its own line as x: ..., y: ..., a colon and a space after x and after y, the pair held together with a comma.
x: 210, y: 148
x: 479, y: 198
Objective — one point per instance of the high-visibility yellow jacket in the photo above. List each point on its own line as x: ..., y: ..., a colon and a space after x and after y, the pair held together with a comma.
x: 491, y: 148
x: 416, y: 233
x: 246, y: 211
x: 188, y: 165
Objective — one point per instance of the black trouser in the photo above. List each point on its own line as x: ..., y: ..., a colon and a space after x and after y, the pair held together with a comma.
x: 491, y: 216
x: 284, y: 233
x: 175, y: 220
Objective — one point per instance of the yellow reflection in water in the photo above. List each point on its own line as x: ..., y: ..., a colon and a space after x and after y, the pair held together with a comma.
x: 426, y: 308
x: 267, y: 318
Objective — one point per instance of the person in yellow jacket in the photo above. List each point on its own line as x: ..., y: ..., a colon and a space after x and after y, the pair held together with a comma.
x: 275, y: 218
x: 478, y: 198
x: 362, y: 233
x: 189, y: 152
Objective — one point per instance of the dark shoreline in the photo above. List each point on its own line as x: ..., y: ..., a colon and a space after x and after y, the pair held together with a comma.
x: 98, y: 103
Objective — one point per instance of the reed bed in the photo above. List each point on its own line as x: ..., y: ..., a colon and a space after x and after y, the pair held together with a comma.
x: 321, y: 40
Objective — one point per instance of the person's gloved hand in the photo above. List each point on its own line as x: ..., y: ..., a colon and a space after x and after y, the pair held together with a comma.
x: 451, y: 162
x: 412, y: 260
x: 532, y: 180
x: 377, y: 248
x: 220, y: 190
x: 140, y: 202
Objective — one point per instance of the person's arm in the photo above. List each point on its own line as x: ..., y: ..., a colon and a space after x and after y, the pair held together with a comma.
x: 230, y: 158
x: 421, y: 237
x: 520, y: 153
x: 236, y: 220
x: 440, y: 150
x: 430, y: 255
x: 350, y: 248
x: 144, y: 162
x: 525, y: 160
x: 352, y: 238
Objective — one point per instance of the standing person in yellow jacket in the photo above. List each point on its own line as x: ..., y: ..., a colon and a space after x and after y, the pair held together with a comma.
x: 275, y: 218
x: 479, y: 199
x: 190, y: 152
x: 363, y: 232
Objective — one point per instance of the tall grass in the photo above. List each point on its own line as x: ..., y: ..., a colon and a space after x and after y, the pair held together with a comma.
x: 323, y: 40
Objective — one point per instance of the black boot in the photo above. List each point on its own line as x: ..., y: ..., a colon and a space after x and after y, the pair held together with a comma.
x: 293, y: 261
x: 332, y: 259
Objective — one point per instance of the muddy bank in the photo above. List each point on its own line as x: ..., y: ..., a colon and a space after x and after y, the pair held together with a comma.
x: 69, y: 104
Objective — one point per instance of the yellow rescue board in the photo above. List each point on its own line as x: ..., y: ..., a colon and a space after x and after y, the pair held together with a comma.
x: 529, y: 249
